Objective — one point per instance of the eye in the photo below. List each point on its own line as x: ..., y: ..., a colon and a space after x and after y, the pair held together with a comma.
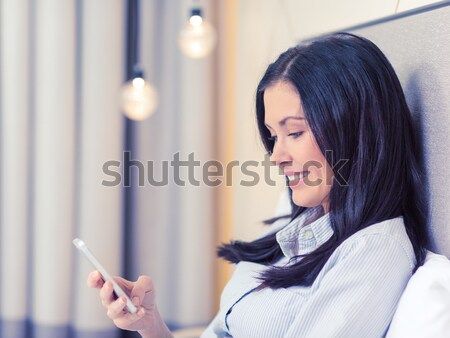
x: 295, y: 135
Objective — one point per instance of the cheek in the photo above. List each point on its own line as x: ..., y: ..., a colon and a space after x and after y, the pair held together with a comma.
x: 315, y: 163
x: 320, y: 172
x: 325, y: 169
x: 310, y: 158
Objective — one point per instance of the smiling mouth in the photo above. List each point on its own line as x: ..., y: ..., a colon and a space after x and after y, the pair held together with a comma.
x: 293, y: 179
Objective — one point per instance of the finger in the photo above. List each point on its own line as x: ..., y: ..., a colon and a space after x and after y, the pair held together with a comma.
x: 115, y: 309
x: 125, y: 319
x: 142, y: 288
x: 95, y: 280
x: 106, y: 294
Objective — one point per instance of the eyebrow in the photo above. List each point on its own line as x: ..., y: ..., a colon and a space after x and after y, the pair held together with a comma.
x: 283, y: 121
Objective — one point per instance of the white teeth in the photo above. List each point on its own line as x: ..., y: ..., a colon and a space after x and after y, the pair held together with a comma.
x: 297, y: 176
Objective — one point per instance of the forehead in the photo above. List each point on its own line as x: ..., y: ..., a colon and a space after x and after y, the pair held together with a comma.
x: 280, y: 100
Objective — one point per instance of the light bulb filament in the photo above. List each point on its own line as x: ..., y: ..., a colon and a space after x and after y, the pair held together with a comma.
x: 195, y: 20
x: 138, y: 83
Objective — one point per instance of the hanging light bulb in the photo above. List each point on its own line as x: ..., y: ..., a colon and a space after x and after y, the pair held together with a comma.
x: 198, y: 38
x: 139, y: 98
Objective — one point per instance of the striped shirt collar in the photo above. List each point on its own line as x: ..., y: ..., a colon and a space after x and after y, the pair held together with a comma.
x: 305, y: 233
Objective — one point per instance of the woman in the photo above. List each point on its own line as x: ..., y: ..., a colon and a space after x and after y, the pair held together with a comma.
x: 333, y: 116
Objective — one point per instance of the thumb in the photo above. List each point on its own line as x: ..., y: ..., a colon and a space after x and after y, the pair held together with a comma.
x: 143, y: 292
x: 125, y: 284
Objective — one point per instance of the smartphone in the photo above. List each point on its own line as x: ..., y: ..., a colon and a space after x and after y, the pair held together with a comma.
x: 80, y: 245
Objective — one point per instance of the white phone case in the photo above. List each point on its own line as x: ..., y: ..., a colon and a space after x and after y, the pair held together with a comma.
x: 80, y: 245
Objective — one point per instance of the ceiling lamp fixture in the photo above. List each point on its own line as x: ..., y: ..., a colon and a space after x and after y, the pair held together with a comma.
x: 198, y: 37
x: 139, y: 98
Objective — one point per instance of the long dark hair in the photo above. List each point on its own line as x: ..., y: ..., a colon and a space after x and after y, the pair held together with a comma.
x: 356, y: 109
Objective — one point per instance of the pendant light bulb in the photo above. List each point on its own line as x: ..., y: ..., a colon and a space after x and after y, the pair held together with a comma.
x: 198, y: 37
x: 139, y: 99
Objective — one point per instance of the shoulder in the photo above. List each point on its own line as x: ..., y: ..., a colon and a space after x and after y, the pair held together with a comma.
x: 387, y: 238
x: 380, y: 254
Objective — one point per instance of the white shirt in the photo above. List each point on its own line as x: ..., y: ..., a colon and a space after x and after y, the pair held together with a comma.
x: 354, y: 295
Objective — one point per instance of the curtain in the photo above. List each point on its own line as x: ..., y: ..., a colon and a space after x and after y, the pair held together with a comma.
x: 61, y: 68
x: 173, y: 234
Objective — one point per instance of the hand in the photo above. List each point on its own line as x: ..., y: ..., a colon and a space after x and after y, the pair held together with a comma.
x: 147, y: 320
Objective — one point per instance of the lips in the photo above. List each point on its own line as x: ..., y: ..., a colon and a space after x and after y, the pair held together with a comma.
x: 295, y: 177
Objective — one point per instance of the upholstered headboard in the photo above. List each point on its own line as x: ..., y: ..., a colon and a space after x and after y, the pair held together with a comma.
x: 418, y: 45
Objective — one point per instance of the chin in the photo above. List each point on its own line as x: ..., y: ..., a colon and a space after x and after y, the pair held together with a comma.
x: 301, y: 201
x: 304, y: 203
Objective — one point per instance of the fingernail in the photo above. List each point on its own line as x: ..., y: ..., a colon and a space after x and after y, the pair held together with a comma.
x: 136, y: 300
x: 141, y: 311
x: 122, y: 301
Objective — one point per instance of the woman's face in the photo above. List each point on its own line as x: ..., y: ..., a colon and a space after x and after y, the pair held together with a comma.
x: 295, y: 149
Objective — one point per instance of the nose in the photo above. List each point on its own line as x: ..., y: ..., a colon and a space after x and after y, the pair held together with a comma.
x: 279, y: 154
